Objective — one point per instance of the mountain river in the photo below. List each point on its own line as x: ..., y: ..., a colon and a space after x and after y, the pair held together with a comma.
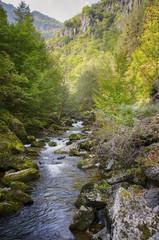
x: 54, y: 195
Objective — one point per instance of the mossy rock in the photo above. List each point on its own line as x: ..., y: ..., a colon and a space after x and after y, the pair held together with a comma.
x: 69, y: 143
x: 74, y: 137
x: 19, y: 162
x: 39, y: 144
x: 17, y: 127
x: 21, y: 176
x: 140, y: 176
x: 9, y: 208
x: 46, y: 139
x: 32, y: 151
x: 20, y: 186
x: 10, y: 144
x: 74, y: 152
x: 53, y: 144
x: 19, y: 196
x: 56, y: 127
x: 66, y: 122
x: 31, y: 139
x: 3, y: 194
x: 86, y: 145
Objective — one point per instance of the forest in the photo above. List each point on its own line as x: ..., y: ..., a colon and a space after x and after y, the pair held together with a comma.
x: 102, y: 68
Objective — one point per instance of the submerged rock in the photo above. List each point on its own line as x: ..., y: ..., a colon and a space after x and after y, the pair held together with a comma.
x: 82, y: 219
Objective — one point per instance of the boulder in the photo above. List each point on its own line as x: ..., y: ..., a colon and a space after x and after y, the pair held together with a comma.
x: 82, y: 219
x: 91, y: 197
x: 86, y: 164
x: 19, y: 196
x: 123, y: 177
x: 20, y: 186
x: 22, y: 176
x: 131, y: 218
x: 152, y: 198
x: 21, y: 162
x: 39, y: 144
x: 152, y: 173
x: 67, y: 149
x: 86, y: 145
x: 74, y: 137
x: 9, y: 208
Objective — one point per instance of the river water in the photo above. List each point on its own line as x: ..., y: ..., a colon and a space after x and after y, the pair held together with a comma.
x: 54, y: 195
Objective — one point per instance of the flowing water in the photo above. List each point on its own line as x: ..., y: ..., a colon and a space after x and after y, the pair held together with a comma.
x: 54, y: 195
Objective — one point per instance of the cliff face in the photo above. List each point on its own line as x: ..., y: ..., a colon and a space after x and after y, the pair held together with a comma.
x: 89, y: 17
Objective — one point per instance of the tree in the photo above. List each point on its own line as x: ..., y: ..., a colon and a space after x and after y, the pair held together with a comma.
x: 145, y: 64
x: 22, y: 12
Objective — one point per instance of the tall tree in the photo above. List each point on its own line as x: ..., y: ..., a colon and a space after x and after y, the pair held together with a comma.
x: 22, y: 12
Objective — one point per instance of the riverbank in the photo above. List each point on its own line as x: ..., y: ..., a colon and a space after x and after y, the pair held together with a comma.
x: 18, y: 150
x: 124, y: 203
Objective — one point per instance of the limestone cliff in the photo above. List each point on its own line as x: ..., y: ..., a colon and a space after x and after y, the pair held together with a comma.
x: 114, y: 13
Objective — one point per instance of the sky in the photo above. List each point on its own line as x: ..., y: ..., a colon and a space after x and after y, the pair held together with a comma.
x: 59, y: 9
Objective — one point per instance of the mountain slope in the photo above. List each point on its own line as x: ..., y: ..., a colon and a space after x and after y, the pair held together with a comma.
x: 46, y: 25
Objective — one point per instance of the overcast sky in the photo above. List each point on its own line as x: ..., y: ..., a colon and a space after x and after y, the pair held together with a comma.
x: 58, y: 9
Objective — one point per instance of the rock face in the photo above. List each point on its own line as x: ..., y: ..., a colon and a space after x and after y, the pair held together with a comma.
x: 121, y: 8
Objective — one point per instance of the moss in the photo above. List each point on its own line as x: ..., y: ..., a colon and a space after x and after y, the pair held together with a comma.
x: 146, y: 234
x: 40, y: 143
x: 140, y: 176
x: 17, y: 127
x: 31, y: 139
x: 9, y: 208
x: 80, y: 165
x: 22, y: 176
x: 86, y: 145
x: 20, y: 162
x: 135, y: 188
x: 10, y: 144
x: 103, y: 186
x: 79, y: 202
x: 125, y: 194
x: 2, y: 194
x: 75, y: 136
x: 19, y: 196
x: 46, y: 139
x: 74, y: 152
x: 58, y: 151
x: 32, y: 151
x: 21, y: 186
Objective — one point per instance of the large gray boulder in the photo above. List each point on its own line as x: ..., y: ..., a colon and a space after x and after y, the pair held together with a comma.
x: 152, y: 173
x: 131, y: 218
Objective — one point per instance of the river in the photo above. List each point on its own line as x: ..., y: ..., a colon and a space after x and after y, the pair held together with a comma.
x: 54, y: 195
